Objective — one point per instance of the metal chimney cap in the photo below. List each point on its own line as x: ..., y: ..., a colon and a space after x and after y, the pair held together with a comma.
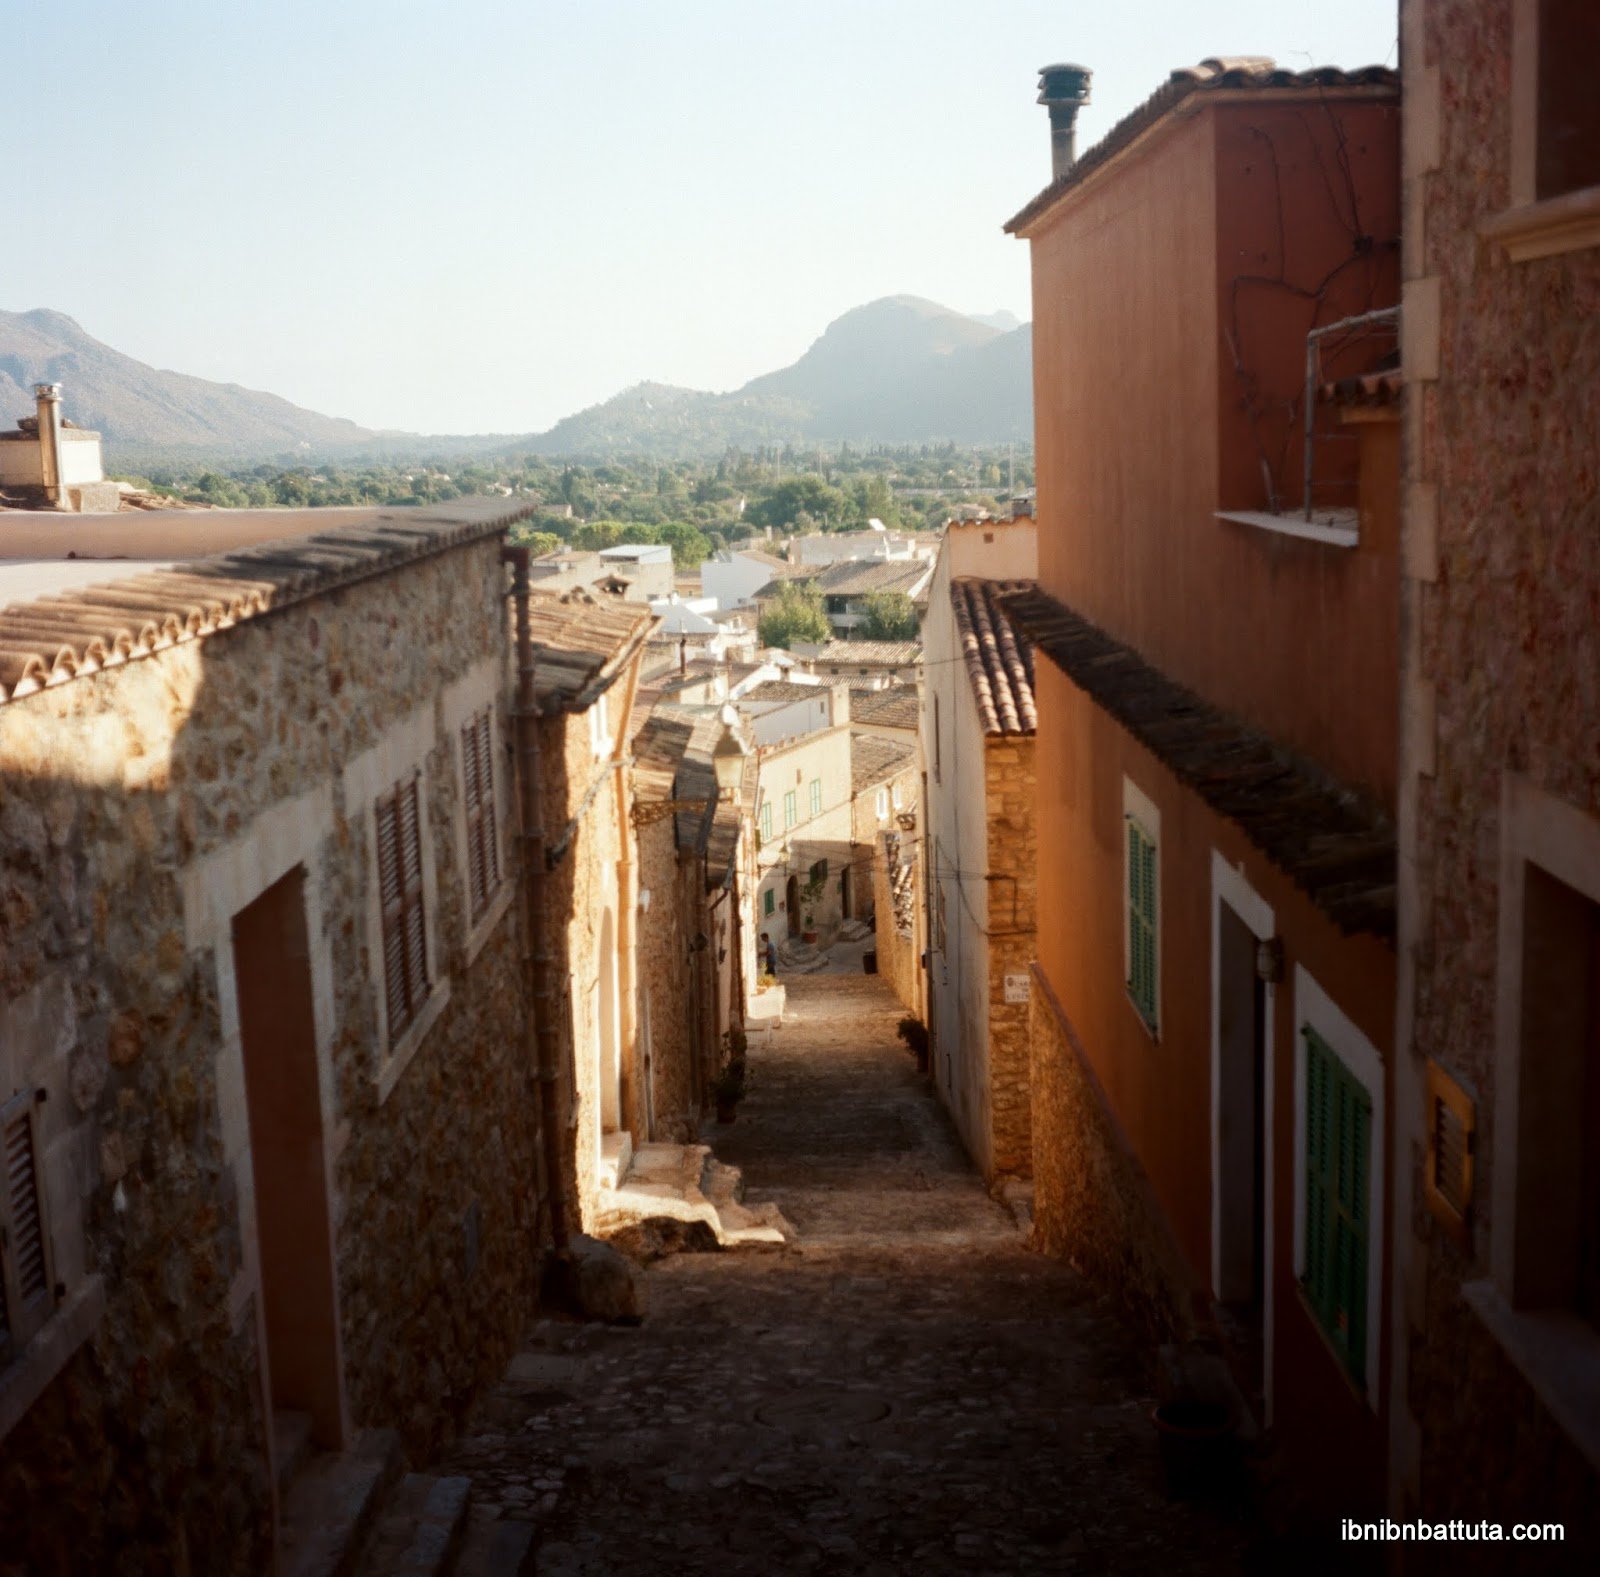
x: 47, y: 391
x: 1064, y: 84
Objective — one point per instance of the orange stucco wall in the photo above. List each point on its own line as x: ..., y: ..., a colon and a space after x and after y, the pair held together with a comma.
x: 1147, y: 281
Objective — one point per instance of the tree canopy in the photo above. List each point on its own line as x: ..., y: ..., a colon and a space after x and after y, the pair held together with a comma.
x: 795, y: 614
x: 891, y: 616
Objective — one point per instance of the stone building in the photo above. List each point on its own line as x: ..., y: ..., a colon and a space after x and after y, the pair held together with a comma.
x: 978, y: 721
x: 867, y: 664
x: 884, y: 794
x: 696, y: 953
x: 1496, y: 1316
x: 1216, y: 630
x: 263, y: 1070
x: 586, y: 655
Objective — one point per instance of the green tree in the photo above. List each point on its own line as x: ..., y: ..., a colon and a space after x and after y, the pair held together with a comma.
x: 541, y: 542
x: 891, y: 616
x: 690, y: 546
x: 795, y: 614
x: 800, y: 495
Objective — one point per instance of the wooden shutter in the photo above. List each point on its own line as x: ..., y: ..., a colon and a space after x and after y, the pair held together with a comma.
x: 1142, y: 887
x: 27, y: 1270
x: 1338, y: 1160
x: 405, y: 947
x: 483, y: 863
x: 1452, y: 1142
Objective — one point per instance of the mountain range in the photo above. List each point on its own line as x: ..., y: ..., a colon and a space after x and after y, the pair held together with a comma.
x: 897, y: 370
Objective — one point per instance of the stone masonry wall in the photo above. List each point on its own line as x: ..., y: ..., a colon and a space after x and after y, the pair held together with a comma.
x: 1013, y: 872
x: 148, y: 1452
x: 1093, y: 1205
x: 665, y: 979
x: 1503, y: 560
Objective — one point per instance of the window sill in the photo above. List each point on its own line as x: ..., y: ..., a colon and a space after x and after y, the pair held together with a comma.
x: 1557, y: 1353
x: 1336, y: 528
x: 24, y: 1380
x: 399, y: 1059
x: 1567, y: 223
x: 485, y: 926
x: 1360, y: 1391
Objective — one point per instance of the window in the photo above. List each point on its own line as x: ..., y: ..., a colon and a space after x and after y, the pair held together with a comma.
x: 405, y: 944
x: 816, y: 796
x: 897, y: 799
x: 27, y: 1274
x: 477, y: 776
x: 883, y: 803
x: 766, y: 821
x: 1141, y: 941
x: 600, y: 727
x: 769, y: 901
x: 1567, y: 129
x: 1337, y: 1161
x: 791, y: 812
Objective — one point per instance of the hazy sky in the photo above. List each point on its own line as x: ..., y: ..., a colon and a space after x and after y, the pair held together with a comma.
x: 482, y: 215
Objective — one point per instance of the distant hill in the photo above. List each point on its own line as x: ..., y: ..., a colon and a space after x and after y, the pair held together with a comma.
x: 138, y: 408
x: 898, y: 370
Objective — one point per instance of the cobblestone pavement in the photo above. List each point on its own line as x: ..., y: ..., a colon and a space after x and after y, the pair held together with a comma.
x: 906, y: 1389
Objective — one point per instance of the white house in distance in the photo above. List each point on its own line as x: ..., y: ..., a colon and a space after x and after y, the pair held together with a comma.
x: 876, y: 543
x: 732, y: 576
x: 48, y: 463
x: 646, y: 565
x: 978, y: 723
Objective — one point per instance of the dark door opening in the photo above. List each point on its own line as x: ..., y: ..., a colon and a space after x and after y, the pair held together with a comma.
x: 791, y: 897
x: 294, y: 1228
x: 1242, y: 1118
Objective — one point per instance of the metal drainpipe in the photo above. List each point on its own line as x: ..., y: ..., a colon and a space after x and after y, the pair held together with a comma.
x: 543, y: 1042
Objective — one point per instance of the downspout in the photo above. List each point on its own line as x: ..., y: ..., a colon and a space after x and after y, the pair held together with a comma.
x: 543, y: 1045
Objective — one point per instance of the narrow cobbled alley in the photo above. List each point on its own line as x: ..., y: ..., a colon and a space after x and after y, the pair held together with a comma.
x: 905, y: 1388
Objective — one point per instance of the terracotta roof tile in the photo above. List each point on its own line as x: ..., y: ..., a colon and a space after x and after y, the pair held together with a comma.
x: 1331, y: 842
x: 1250, y: 73
x: 782, y: 691
x: 999, y: 663
x: 875, y: 760
x: 72, y: 634
x: 868, y: 654
x: 892, y: 707
x: 581, y: 643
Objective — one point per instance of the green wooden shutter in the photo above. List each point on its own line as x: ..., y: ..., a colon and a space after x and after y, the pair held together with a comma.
x: 1337, y: 1161
x: 1142, y: 894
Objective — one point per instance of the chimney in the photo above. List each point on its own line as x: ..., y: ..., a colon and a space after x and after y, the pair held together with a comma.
x: 49, y: 397
x: 1064, y: 90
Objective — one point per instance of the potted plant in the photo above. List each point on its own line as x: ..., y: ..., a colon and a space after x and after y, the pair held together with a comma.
x: 1199, y: 1446
x: 811, y: 893
x: 727, y: 1089
x: 915, y: 1034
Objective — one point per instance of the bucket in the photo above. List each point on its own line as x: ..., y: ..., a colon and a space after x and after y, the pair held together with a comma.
x: 869, y: 961
x: 1199, y: 1447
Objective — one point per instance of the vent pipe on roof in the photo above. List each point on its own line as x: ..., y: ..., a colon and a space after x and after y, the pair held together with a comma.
x: 48, y: 396
x: 1064, y: 90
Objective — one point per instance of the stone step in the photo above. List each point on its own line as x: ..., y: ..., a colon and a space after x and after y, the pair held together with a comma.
x: 496, y: 1547
x: 686, y: 1183
x: 331, y: 1504
x: 420, y: 1528
x: 291, y: 1446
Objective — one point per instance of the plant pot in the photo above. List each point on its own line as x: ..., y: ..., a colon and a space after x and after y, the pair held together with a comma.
x: 869, y: 961
x: 727, y: 1111
x: 809, y: 937
x: 1199, y: 1447
x: 922, y: 1059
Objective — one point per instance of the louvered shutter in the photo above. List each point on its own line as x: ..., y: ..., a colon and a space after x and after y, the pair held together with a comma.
x: 1337, y: 1162
x: 411, y: 872
x: 391, y: 893
x: 488, y: 822
x: 27, y: 1272
x: 472, y: 780
x: 1142, y: 921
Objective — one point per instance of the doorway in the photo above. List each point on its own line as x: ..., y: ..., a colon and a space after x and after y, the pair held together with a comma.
x: 303, y: 1370
x: 1241, y: 1143
x: 791, y: 903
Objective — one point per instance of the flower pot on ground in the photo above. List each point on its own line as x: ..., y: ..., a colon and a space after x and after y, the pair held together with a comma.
x: 728, y: 1089
x: 1199, y: 1447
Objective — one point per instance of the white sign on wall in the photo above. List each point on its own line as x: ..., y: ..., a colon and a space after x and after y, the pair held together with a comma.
x: 1016, y: 988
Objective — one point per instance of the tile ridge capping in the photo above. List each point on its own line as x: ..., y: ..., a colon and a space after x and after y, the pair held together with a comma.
x: 1210, y: 76
x: 1333, y: 841
x: 74, y: 634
